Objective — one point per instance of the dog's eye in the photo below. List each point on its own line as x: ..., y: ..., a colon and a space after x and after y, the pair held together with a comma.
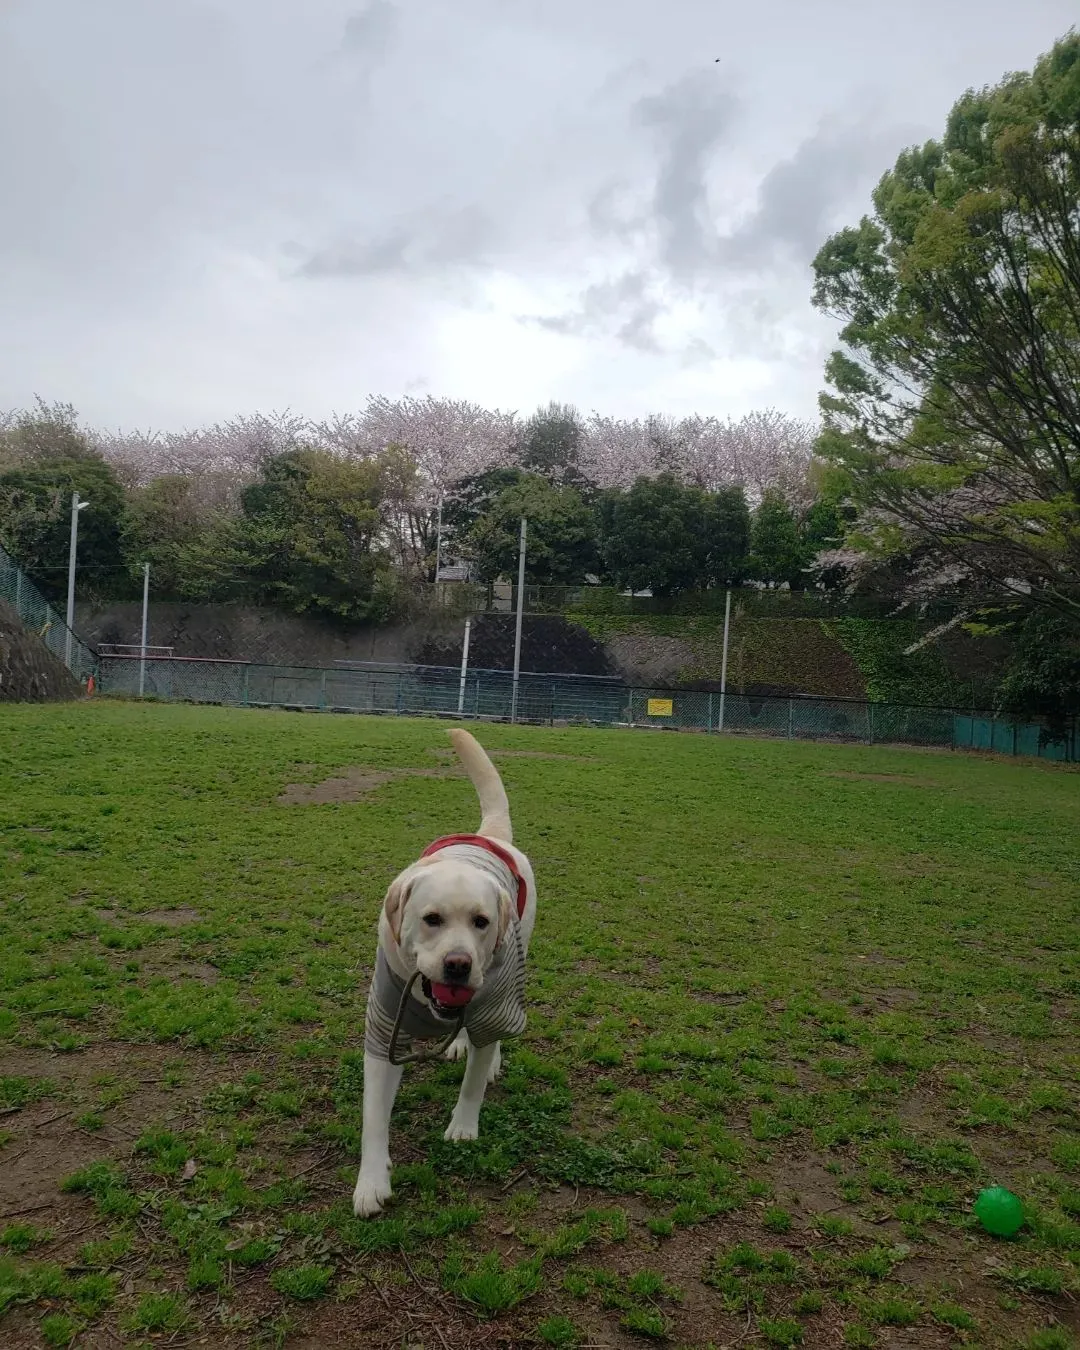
x: 433, y: 920
x: 481, y: 921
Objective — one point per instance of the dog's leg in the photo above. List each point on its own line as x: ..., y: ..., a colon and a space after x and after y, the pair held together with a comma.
x: 465, y: 1122
x: 459, y: 1047
x: 496, y: 1064
x: 381, y: 1080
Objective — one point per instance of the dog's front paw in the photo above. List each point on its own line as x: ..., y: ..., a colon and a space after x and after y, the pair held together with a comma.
x: 372, y: 1192
x: 459, y: 1048
x: 461, y: 1128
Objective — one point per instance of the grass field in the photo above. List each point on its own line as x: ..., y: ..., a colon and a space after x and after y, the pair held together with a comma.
x: 790, y: 1006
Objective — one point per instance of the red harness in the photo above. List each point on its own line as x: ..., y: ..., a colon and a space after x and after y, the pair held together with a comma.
x: 478, y: 841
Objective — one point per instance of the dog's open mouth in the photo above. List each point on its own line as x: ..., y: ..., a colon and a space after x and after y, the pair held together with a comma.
x: 447, y: 1000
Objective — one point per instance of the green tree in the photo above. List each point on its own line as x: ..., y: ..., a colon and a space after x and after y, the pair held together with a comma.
x: 192, y: 551
x: 655, y: 536
x: 35, y: 524
x: 778, y: 555
x: 954, y: 409
x: 727, y: 529
x: 550, y: 445
x: 1042, y: 679
x: 561, y: 543
x: 822, y: 529
x: 468, y: 500
x: 309, y: 536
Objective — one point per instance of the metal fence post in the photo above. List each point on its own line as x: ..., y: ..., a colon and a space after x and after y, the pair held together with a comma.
x: 244, y: 693
x: 791, y: 719
x: 723, y: 660
x: 708, y: 716
x: 322, y: 691
x: 870, y: 714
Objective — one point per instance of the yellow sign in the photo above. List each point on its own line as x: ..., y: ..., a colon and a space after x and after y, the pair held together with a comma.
x: 661, y: 707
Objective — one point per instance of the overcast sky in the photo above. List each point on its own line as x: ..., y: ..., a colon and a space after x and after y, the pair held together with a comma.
x: 222, y: 206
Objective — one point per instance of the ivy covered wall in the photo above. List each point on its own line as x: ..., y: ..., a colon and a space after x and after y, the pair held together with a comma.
x: 837, y: 658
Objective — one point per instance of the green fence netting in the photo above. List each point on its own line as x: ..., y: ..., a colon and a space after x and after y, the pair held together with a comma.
x: 43, y: 619
x: 559, y: 699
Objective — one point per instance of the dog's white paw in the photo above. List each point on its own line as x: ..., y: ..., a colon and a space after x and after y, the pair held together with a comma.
x: 459, y: 1048
x: 496, y: 1067
x: 372, y: 1192
x: 461, y: 1128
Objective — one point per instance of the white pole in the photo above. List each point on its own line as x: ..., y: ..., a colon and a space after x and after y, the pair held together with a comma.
x: 464, y: 668
x: 517, y: 631
x: 438, y: 542
x: 76, y: 507
x: 723, y: 659
x: 145, y: 608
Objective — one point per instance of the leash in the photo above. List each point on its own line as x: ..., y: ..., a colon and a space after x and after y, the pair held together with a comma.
x: 418, y: 1056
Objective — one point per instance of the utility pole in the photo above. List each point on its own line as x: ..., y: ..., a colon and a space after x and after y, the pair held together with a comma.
x: 520, y: 613
x: 76, y: 507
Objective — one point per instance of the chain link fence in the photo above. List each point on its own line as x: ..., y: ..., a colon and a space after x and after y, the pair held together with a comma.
x: 41, y: 618
x: 565, y: 700
x: 463, y: 598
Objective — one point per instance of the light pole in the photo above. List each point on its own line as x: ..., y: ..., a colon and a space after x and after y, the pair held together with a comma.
x: 517, y: 627
x: 76, y: 507
x: 145, y: 608
x: 723, y: 660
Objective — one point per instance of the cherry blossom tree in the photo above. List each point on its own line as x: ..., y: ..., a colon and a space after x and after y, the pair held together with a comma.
x: 448, y: 439
x: 762, y: 452
x: 223, y: 458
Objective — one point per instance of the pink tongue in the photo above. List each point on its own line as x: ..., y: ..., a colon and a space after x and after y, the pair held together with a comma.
x: 452, y: 995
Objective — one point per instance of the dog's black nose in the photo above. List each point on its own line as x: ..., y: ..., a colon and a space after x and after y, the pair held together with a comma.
x: 456, y: 967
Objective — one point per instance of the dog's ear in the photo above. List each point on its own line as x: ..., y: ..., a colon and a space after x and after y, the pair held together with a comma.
x: 506, y: 912
x: 397, y: 897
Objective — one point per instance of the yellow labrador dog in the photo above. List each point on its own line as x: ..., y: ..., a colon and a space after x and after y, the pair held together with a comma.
x: 453, y: 936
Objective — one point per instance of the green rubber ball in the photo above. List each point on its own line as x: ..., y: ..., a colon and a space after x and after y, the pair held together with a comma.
x: 999, y: 1211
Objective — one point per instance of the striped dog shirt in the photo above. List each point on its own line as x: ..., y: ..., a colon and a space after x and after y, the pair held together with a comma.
x: 497, y: 1009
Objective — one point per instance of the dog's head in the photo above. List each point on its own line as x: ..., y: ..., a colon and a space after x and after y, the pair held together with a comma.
x: 446, y: 919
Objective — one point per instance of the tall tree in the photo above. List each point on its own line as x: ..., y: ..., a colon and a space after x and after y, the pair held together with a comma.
x: 727, y: 529
x: 955, y: 402
x: 778, y: 556
x: 550, y: 445
x: 655, y: 536
x: 468, y: 500
x: 561, y: 541
x: 310, y: 533
x: 35, y: 523
x: 190, y: 548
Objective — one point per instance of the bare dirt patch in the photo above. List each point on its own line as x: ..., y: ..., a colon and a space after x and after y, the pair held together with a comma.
x: 170, y: 918
x: 353, y: 784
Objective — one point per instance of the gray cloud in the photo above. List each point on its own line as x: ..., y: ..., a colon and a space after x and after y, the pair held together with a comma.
x: 380, y: 256
x: 370, y: 31
x: 688, y: 119
x: 609, y: 214
x: 439, y: 240
x: 627, y: 305
x: 799, y: 198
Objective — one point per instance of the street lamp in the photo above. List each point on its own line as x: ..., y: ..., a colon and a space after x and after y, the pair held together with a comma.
x: 76, y: 507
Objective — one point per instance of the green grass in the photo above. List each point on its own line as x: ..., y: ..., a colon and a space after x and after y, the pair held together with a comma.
x: 790, y: 1007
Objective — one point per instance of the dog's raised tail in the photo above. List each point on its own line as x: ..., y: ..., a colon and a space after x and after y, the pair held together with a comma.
x: 494, y: 804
